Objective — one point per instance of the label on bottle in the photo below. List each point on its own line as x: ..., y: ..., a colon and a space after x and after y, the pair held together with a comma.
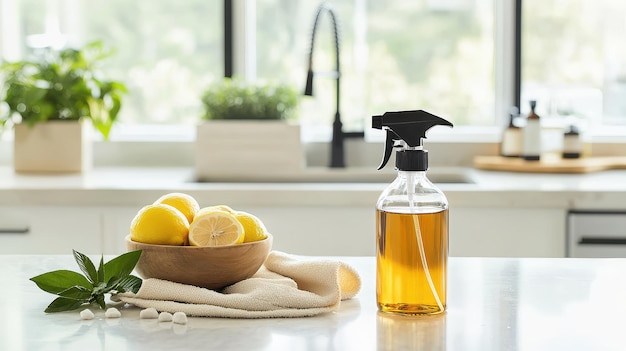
x: 511, y: 143
x: 572, y: 146
x: 531, y: 140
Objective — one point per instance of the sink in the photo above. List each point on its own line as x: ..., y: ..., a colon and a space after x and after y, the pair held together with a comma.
x: 449, y: 175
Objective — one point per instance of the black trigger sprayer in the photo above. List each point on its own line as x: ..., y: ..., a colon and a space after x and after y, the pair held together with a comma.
x: 411, y: 221
x: 410, y: 127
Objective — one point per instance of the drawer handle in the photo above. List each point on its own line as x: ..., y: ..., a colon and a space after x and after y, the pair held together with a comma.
x: 602, y: 241
x: 14, y: 230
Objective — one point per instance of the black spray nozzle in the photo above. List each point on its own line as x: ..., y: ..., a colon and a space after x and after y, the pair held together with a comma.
x: 409, y: 126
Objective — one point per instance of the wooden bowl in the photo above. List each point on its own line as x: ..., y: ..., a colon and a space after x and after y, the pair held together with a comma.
x: 207, y: 267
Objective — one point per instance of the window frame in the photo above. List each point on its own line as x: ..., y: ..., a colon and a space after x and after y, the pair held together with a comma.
x: 240, y: 60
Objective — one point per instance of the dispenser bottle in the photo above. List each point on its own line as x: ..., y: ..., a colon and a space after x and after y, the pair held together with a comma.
x: 572, y: 144
x: 532, y: 135
x: 511, y: 145
x: 411, y: 222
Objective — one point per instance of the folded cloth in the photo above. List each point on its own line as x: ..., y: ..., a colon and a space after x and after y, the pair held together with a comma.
x: 285, y: 286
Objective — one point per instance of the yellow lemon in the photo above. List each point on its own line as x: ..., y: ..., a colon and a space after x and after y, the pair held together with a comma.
x: 254, y: 229
x: 216, y: 207
x: 215, y: 228
x: 159, y: 224
x: 183, y: 202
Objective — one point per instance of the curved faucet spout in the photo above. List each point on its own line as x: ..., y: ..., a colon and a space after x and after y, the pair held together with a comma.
x: 337, y: 145
x: 323, y: 8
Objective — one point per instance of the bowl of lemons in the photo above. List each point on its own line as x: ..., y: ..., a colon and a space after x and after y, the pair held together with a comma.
x: 210, y: 247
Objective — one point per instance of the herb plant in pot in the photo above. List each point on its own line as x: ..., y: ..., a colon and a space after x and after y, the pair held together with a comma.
x: 248, y: 132
x: 49, y: 102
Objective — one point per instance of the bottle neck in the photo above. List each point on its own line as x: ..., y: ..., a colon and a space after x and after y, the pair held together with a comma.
x: 412, y: 174
x: 414, y: 179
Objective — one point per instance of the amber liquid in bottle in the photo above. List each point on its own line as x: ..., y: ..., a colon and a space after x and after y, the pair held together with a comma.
x: 402, y: 283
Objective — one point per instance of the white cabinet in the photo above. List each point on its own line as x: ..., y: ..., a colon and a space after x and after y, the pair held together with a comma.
x: 49, y: 230
x: 509, y: 232
x: 115, y: 227
x: 350, y: 231
x: 304, y: 230
x: 317, y: 230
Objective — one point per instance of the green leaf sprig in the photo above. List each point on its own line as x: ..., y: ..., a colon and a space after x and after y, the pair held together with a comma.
x: 74, y: 289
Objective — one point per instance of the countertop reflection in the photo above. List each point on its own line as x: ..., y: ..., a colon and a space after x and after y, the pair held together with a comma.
x: 493, y: 304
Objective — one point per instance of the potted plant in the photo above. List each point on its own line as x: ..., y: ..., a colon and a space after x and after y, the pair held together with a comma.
x: 247, y: 129
x: 47, y: 100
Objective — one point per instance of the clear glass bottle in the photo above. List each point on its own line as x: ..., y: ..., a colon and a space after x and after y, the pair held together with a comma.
x: 411, y: 246
x: 411, y: 221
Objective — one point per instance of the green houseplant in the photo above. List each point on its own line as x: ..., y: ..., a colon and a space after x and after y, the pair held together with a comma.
x: 61, y: 85
x: 47, y: 99
x: 248, y: 132
x: 237, y: 100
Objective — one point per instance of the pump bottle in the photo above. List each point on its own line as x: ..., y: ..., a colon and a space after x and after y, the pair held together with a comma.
x: 531, y: 135
x: 511, y: 145
x: 411, y: 222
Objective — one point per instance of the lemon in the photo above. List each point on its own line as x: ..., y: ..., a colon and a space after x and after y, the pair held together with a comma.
x: 216, y: 207
x: 215, y: 228
x: 183, y: 202
x: 254, y: 229
x: 159, y: 224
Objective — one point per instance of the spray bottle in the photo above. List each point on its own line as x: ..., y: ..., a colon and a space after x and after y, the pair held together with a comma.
x: 411, y: 222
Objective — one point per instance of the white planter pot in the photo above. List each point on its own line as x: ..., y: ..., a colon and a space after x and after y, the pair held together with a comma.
x: 53, y: 146
x: 229, y: 149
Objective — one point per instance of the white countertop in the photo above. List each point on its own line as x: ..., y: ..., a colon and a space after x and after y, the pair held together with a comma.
x: 493, y: 304
x: 135, y: 186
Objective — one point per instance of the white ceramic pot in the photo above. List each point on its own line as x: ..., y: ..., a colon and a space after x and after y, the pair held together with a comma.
x: 52, y: 147
x: 234, y: 148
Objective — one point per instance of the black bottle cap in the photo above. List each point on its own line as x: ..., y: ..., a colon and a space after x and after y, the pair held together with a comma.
x: 412, y: 160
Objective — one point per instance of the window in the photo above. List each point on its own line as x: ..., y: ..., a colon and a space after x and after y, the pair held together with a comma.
x: 454, y: 58
x: 395, y: 54
x: 574, y: 60
x: 166, y: 51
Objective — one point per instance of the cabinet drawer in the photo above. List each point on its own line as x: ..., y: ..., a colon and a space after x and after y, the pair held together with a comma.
x: 596, y: 234
x: 49, y: 230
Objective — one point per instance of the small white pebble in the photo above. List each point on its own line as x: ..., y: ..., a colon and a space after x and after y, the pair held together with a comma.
x: 165, y: 317
x: 86, y: 314
x: 149, y: 313
x: 112, y: 313
x: 179, y: 318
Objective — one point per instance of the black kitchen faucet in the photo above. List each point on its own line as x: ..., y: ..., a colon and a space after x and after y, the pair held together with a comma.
x: 338, y: 137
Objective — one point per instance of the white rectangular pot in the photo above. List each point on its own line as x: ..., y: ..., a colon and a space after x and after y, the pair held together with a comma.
x: 230, y: 149
x: 52, y: 147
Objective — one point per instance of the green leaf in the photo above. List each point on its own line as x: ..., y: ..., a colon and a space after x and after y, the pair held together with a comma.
x: 74, y: 289
x: 100, y: 289
x: 61, y: 304
x: 57, y: 281
x: 86, y: 265
x: 121, y: 266
x: 101, y: 270
x: 76, y: 293
x: 129, y: 283
x: 99, y: 299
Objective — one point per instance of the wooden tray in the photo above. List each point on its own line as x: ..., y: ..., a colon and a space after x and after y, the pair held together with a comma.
x: 550, y: 165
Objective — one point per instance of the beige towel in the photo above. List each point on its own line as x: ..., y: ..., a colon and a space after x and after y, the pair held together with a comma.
x: 285, y: 286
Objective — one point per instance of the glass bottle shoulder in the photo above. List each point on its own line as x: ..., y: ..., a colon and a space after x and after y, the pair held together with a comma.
x: 412, y: 192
